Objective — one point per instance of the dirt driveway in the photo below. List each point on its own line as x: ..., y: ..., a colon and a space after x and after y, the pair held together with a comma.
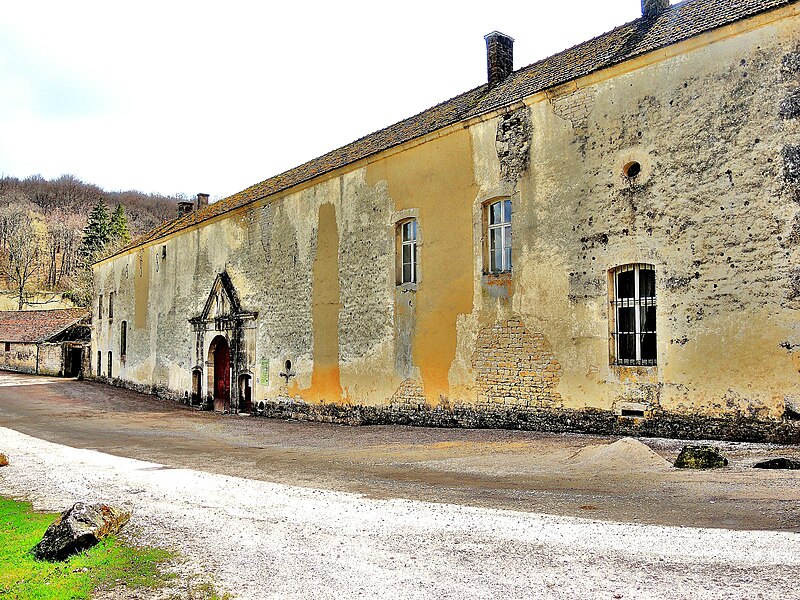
x: 571, y: 475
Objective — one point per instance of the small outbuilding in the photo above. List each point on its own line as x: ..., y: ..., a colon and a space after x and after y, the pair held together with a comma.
x: 45, y: 342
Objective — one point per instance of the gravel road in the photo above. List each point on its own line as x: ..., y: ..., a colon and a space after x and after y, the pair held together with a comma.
x: 268, y: 540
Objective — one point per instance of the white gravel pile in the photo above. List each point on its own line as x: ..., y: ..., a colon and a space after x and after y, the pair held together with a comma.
x: 263, y: 540
x: 623, y: 456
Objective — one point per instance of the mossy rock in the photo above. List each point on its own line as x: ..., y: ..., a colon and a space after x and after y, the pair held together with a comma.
x: 779, y: 463
x: 700, y: 457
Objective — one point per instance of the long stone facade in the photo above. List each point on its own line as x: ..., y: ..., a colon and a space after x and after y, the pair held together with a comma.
x: 624, y: 244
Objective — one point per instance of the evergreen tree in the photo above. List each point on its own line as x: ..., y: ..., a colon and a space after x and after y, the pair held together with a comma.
x: 97, y: 232
x: 118, y: 226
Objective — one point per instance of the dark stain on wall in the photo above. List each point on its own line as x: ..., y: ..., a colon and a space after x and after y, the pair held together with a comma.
x: 791, y: 164
x: 790, y: 107
x: 791, y: 62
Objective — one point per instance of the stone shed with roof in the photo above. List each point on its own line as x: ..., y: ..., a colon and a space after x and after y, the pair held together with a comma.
x: 45, y: 342
x: 606, y: 240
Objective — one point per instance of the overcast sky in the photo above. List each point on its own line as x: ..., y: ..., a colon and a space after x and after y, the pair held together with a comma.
x: 187, y: 97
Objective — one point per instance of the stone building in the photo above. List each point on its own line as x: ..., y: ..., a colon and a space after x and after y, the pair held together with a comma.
x: 45, y: 342
x: 605, y: 240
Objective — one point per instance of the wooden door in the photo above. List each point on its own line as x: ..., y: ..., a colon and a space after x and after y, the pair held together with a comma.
x: 222, y: 377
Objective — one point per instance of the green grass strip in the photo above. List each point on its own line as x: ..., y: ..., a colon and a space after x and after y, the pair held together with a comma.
x: 110, y: 563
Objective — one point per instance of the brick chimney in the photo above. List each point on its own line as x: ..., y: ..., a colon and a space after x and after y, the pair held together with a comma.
x: 499, y: 56
x: 202, y: 200
x: 653, y: 8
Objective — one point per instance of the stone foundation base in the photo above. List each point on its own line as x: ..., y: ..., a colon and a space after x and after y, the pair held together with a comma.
x: 552, y: 420
x: 736, y: 428
x: 153, y: 390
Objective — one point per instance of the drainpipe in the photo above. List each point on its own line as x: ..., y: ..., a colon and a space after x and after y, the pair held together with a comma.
x: 37, y: 359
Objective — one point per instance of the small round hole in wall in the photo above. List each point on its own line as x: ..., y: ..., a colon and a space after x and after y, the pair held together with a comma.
x: 287, y: 365
x: 632, y: 169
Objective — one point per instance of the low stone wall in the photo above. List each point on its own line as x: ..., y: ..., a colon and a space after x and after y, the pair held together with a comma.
x: 661, y: 424
x: 153, y: 390
x: 737, y: 428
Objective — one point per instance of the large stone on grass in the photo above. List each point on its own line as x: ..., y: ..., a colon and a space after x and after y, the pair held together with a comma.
x: 778, y: 463
x: 700, y: 457
x: 79, y: 528
x: 3, y: 460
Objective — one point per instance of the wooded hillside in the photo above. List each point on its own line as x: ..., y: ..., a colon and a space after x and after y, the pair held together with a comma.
x: 43, y: 226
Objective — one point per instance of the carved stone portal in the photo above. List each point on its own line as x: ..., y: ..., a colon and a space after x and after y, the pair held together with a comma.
x: 225, y: 344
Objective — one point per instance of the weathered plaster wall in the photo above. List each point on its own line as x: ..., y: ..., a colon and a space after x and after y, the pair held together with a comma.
x: 27, y: 358
x: 20, y: 357
x: 715, y: 209
x: 51, y: 359
x: 437, y: 180
x: 708, y: 210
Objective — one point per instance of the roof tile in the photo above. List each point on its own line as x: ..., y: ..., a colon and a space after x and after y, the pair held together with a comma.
x: 37, y: 325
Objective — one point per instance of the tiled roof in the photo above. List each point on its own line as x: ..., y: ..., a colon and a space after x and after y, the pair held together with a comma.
x: 37, y: 325
x: 679, y: 22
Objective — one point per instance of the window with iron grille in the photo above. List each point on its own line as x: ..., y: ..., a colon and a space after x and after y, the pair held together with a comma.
x: 408, y: 251
x: 499, y: 225
x: 634, y: 314
x: 110, y: 305
x: 100, y: 307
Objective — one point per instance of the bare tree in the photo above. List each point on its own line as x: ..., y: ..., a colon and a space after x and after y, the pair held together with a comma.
x: 24, y: 239
x: 63, y: 239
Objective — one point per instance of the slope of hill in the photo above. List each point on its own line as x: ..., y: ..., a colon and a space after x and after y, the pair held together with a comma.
x: 42, y: 225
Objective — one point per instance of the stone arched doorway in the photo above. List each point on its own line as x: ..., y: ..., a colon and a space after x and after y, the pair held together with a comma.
x: 225, y: 349
x: 219, y: 373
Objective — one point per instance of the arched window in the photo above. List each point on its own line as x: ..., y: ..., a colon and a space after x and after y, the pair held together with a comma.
x: 498, y: 223
x: 633, y: 302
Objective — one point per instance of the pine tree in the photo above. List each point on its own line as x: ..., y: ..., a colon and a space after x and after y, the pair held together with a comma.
x: 118, y: 227
x: 97, y: 233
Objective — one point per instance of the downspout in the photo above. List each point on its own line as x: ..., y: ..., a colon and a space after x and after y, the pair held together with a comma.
x: 37, y: 358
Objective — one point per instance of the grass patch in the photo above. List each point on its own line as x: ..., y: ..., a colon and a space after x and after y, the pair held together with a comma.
x: 110, y: 563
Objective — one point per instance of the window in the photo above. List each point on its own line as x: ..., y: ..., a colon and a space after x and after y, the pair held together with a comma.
x: 634, y: 315
x: 123, y: 339
x: 99, y: 362
x: 109, y: 365
x: 499, y: 244
x: 111, y: 305
x: 408, y: 251
x: 8, y: 347
x: 100, y: 307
